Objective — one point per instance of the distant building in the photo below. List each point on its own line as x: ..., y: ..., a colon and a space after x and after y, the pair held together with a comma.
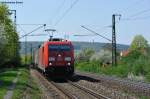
x: 124, y: 53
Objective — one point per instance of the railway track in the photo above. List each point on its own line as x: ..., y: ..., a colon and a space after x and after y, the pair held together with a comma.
x: 136, y: 87
x: 53, y: 91
x: 66, y: 92
x: 60, y: 91
x: 89, y: 91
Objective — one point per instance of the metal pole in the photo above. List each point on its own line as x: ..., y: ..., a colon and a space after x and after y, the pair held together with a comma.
x: 31, y: 53
x: 15, y: 48
x: 26, y: 50
x: 15, y: 20
x: 114, y: 52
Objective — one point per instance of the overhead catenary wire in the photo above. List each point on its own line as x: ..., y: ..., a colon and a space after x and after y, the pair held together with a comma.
x: 130, y: 18
x: 31, y: 24
x: 65, y: 13
x: 134, y: 16
x: 96, y: 33
x: 127, y: 8
x: 131, y: 6
x: 85, y: 35
x: 58, y: 9
x: 139, y: 13
x: 22, y: 29
x: 38, y: 35
x: 32, y: 31
x: 137, y: 18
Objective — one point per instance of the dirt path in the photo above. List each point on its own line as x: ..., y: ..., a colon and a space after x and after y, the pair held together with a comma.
x: 45, y: 93
x: 9, y: 92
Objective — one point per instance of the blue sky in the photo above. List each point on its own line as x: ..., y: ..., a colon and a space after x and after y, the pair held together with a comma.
x: 94, y: 14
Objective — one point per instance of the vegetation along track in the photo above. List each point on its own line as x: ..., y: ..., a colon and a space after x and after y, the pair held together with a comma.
x: 137, y: 87
x: 68, y: 89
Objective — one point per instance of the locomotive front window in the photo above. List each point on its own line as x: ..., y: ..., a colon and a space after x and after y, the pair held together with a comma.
x: 59, y: 47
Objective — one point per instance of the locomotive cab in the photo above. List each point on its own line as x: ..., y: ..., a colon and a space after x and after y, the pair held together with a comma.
x: 57, y: 57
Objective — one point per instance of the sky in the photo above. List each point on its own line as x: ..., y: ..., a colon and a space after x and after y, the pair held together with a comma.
x: 67, y: 16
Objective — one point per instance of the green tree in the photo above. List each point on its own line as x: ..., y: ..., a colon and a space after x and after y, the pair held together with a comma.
x: 138, y: 43
x: 9, y: 46
x: 137, y: 59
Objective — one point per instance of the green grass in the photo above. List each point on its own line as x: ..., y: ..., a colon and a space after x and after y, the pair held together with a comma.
x: 95, y: 67
x: 122, y: 70
x: 23, y: 59
x: 6, y: 77
x: 143, y: 97
x: 88, y: 66
x: 26, y: 86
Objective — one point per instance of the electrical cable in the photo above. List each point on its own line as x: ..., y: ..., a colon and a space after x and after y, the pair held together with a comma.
x: 21, y: 28
x: 137, y: 18
x: 64, y: 14
x: 30, y: 24
x: 33, y: 31
x: 139, y: 13
x: 96, y: 33
x: 131, y: 6
x: 85, y: 35
x: 58, y: 9
x: 134, y: 16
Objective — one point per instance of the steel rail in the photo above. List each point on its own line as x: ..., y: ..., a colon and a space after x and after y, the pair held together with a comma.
x: 89, y: 91
x: 65, y: 92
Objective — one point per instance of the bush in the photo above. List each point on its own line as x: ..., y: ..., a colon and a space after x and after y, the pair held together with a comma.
x: 85, y: 54
x: 148, y: 77
x: 131, y: 57
x: 137, y: 62
x: 95, y: 66
x: 103, y: 56
x: 88, y: 66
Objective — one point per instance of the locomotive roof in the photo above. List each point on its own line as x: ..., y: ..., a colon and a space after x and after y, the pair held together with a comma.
x: 57, y: 42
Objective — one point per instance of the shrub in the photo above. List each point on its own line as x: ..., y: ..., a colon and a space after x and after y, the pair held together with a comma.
x: 103, y: 56
x: 85, y: 54
x: 88, y: 66
x: 148, y: 76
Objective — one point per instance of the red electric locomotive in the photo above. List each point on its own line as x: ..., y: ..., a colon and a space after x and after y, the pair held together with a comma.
x: 55, y: 57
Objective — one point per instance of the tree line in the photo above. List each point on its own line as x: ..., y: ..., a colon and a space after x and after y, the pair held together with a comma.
x: 135, y: 61
x: 9, y: 40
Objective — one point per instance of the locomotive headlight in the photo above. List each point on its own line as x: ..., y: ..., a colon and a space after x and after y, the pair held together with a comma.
x: 51, y: 58
x: 67, y: 58
x: 50, y: 64
x: 68, y: 64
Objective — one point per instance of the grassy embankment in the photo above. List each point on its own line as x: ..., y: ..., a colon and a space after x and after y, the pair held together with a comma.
x: 25, y: 87
x: 136, y: 65
x: 119, y: 71
x: 95, y: 67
